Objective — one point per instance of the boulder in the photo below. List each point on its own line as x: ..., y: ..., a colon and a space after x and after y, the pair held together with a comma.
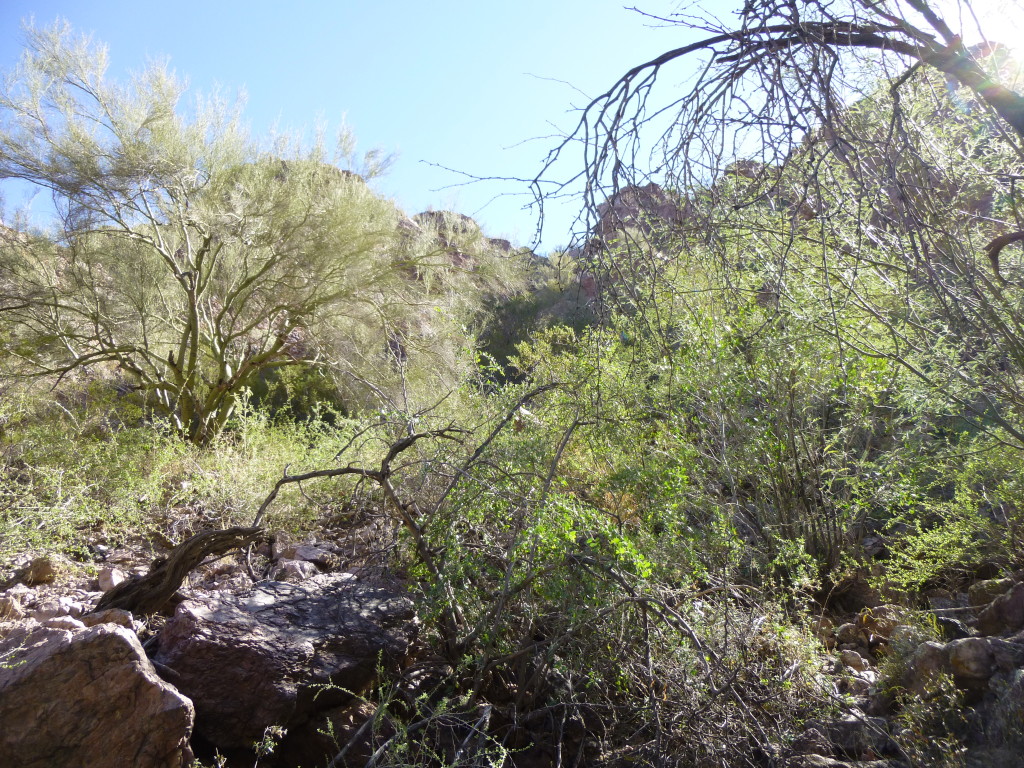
x: 88, y: 698
x: 972, y: 660
x: 1004, y: 614
x: 281, y: 652
x: 879, y: 621
x: 929, y: 661
x: 982, y: 593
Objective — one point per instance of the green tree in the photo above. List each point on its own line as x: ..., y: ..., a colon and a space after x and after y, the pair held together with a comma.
x: 186, y: 255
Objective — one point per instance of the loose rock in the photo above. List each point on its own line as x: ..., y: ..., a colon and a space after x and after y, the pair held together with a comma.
x: 292, y: 570
x: 39, y: 571
x: 853, y: 660
x: 109, y: 578
x: 10, y: 608
x: 309, y: 553
x: 850, y: 634
x: 60, y: 606
x: 63, y: 622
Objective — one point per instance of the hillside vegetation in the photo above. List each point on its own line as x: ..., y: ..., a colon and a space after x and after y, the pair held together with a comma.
x: 636, y: 489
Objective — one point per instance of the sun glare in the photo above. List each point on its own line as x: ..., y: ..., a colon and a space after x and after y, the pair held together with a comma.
x: 995, y: 21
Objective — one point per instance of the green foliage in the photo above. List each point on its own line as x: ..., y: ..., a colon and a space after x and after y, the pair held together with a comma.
x: 196, y: 262
x: 90, y: 468
x: 619, y: 511
x: 961, y: 516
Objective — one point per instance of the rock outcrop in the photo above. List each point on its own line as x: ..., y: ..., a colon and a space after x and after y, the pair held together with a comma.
x: 645, y: 209
x: 281, y: 652
x: 87, y: 698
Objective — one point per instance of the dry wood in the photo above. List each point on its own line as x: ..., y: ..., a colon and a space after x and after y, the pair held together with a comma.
x: 149, y: 593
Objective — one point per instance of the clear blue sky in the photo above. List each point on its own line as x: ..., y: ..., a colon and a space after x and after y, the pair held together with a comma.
x: 459, y: 83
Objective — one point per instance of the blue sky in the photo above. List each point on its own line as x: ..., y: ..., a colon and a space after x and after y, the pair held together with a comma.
x: 474, y: 85
x: 460, y: 83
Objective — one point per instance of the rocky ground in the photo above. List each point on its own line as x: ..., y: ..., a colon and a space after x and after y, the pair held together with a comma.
x: 287, y: 658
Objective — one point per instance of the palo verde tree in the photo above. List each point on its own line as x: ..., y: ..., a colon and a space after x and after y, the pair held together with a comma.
x: 185, y: 255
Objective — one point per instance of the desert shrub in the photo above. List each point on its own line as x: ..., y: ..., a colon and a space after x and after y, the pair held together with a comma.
x: 90, y: 466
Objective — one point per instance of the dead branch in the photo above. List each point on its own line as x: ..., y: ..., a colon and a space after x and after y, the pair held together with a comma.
x: 148, y: 594
x: 408, y: 511
x: 993, y: 249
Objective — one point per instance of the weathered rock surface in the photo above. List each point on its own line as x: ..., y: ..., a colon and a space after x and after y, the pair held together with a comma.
x: 850, y: 634
x: 928, y: 662
x: 264, y: 657
x: 57, y: 606
x: 853, y: 660
x: 88, y: 698
x: 1000, y: 724
x: 855, y: 735
x: 820, y: 761
x: 41, y: 570
x: 292, y: 570
x: 109, y: 616
x: 982, y: 593
x: 635, y: 207
x: 1004, y: 614
x: 109, y: 577
x: 10, y: 608
x: 971, y: 660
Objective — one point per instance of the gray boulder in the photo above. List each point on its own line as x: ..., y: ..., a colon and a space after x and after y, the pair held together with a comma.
x: 88, y: 698
x: 281, y: 652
